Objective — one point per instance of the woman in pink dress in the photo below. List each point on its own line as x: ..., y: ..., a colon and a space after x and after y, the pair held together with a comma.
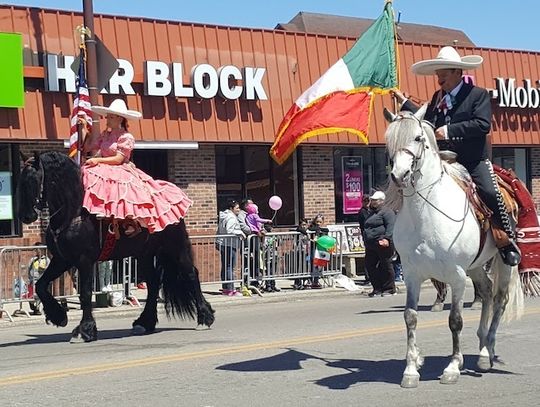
x: 115, y: 188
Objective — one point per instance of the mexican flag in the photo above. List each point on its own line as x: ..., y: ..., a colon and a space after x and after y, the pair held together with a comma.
x: 321, y: 257
x: 341, y: 100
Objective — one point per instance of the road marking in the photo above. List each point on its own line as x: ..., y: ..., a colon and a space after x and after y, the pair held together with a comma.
x: 106, y: 367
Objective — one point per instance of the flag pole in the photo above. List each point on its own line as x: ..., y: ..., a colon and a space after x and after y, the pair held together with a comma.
x: 91, y: 67
x: 81, y: 32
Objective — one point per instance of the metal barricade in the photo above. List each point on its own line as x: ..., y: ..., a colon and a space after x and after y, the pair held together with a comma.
x: 219, y: 259
x: 287, y: 255
x: 222, y: 260
x: 20, y: 267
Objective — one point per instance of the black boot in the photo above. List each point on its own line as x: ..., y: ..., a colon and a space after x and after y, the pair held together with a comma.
x: 511, y: 254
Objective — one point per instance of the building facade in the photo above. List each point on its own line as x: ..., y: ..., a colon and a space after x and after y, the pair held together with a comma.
x: 212, y: 98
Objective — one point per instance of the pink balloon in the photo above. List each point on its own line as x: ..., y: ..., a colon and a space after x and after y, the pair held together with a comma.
x: 275, y: 202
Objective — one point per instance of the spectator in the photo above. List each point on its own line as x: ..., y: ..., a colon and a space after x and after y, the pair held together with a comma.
x: 269, y: 244
x: 242, y: 216
x: 301, y: 254
x: 398, y: 269
x: 317, y: 228
x: 363, y: 213
x: 105, y: 275
x: 379, y: 227
x: 37, y: 266
x: 255, y: 223
x: 228, y: 224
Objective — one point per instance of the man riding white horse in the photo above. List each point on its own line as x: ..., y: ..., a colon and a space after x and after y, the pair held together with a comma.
x: 461, y: 115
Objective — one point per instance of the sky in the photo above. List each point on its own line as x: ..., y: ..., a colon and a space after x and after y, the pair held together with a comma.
x: 494, y: 24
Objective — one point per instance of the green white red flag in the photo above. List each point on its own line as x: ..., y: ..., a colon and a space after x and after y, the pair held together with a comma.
x: 342, y: 99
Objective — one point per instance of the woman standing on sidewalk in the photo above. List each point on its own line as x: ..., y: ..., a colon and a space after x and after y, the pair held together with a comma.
x: 228, y: 224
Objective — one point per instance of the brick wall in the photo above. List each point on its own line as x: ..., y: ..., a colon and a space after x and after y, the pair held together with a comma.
x: 194, y: 171
x: 318, y: 177
x: 535, y: 175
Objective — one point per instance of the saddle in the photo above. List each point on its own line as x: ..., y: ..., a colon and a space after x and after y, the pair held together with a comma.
x: 481, y: 210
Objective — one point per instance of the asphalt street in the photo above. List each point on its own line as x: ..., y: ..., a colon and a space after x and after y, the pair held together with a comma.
x: 329, y: 350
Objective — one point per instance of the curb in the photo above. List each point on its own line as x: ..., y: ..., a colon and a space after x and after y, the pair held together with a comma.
x: 217, y: 301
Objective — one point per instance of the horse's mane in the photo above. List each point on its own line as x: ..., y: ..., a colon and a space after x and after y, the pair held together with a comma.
x: 62, y: 184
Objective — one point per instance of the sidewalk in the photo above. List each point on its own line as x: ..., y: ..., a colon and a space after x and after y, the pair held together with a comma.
x: 211, y: 292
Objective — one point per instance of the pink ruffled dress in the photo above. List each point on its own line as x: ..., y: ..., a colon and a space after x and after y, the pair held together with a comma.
x: 123, y: 191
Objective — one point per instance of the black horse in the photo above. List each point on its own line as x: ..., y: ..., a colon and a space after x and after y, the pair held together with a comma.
x: 74, y: 239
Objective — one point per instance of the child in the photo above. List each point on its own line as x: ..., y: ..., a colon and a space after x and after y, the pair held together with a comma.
x: 318, y: 229
x: 269, y: 244
x: 254, y: 221
x: 302, y: 253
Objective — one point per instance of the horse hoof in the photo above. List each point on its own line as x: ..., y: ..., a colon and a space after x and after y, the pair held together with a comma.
x: 449, y: 378
x: 138, y: 330
x: 76, y: 339
x: 484, y: 364
x: 410, y: 382
x: 63, y: 323
x: 437, y: 307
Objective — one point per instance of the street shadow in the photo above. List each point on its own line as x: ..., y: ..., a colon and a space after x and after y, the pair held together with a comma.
x: 421, y: 308
x: 36, y: 339
x: 356, y: 371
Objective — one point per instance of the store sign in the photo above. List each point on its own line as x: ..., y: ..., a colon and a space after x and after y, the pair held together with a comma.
x: 11, y: 70
x: 6, y: 198
x: 162, y: 79
x: 352, y: 184
x: 510, y: 95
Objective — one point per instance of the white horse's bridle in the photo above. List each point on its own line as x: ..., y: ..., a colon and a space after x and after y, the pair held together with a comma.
x: 418, y: 155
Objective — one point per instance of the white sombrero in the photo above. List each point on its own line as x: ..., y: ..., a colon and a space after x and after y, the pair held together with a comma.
x: 448, y: 58
x: 118, y: 107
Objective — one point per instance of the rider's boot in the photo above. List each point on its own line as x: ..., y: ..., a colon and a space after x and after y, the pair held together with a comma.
x: 510, y: 253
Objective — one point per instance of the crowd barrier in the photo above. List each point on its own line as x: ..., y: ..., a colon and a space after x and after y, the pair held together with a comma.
x: 251, y: 261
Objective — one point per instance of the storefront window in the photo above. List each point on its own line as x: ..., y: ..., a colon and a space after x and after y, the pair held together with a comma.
x: 357, y: 171
x: 9, y: 159
x: 515, y: 159
x: 248, y: 171
x: 152, y: 162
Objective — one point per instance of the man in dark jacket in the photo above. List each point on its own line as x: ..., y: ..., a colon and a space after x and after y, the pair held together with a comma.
x: 461, y: 114
x: 378, y: 230
x: 362, y: 216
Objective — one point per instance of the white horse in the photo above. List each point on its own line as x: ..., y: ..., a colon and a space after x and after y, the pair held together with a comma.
x: 437, y: 236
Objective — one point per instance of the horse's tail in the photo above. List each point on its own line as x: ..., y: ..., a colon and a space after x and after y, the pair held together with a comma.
x: 181, y: 286
x: 515, y: 305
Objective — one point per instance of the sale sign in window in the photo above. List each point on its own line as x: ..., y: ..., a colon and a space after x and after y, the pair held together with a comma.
x: 352, y: 184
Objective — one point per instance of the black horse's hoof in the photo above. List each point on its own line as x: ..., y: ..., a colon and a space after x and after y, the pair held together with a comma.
x: 142, y: 326
x: 85, y: 332
x: 206, y: 316
x: 139, y: 330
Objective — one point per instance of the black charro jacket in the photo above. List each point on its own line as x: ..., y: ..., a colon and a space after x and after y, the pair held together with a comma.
x: 469, y: 122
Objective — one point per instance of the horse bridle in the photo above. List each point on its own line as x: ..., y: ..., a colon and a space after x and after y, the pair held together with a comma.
x: 39, y: 201
x: 416, y: 158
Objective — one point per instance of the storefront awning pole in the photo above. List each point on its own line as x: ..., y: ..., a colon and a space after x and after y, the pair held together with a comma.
x: 91, y: 63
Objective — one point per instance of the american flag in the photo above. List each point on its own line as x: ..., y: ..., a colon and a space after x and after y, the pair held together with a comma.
x: 81, y: 109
